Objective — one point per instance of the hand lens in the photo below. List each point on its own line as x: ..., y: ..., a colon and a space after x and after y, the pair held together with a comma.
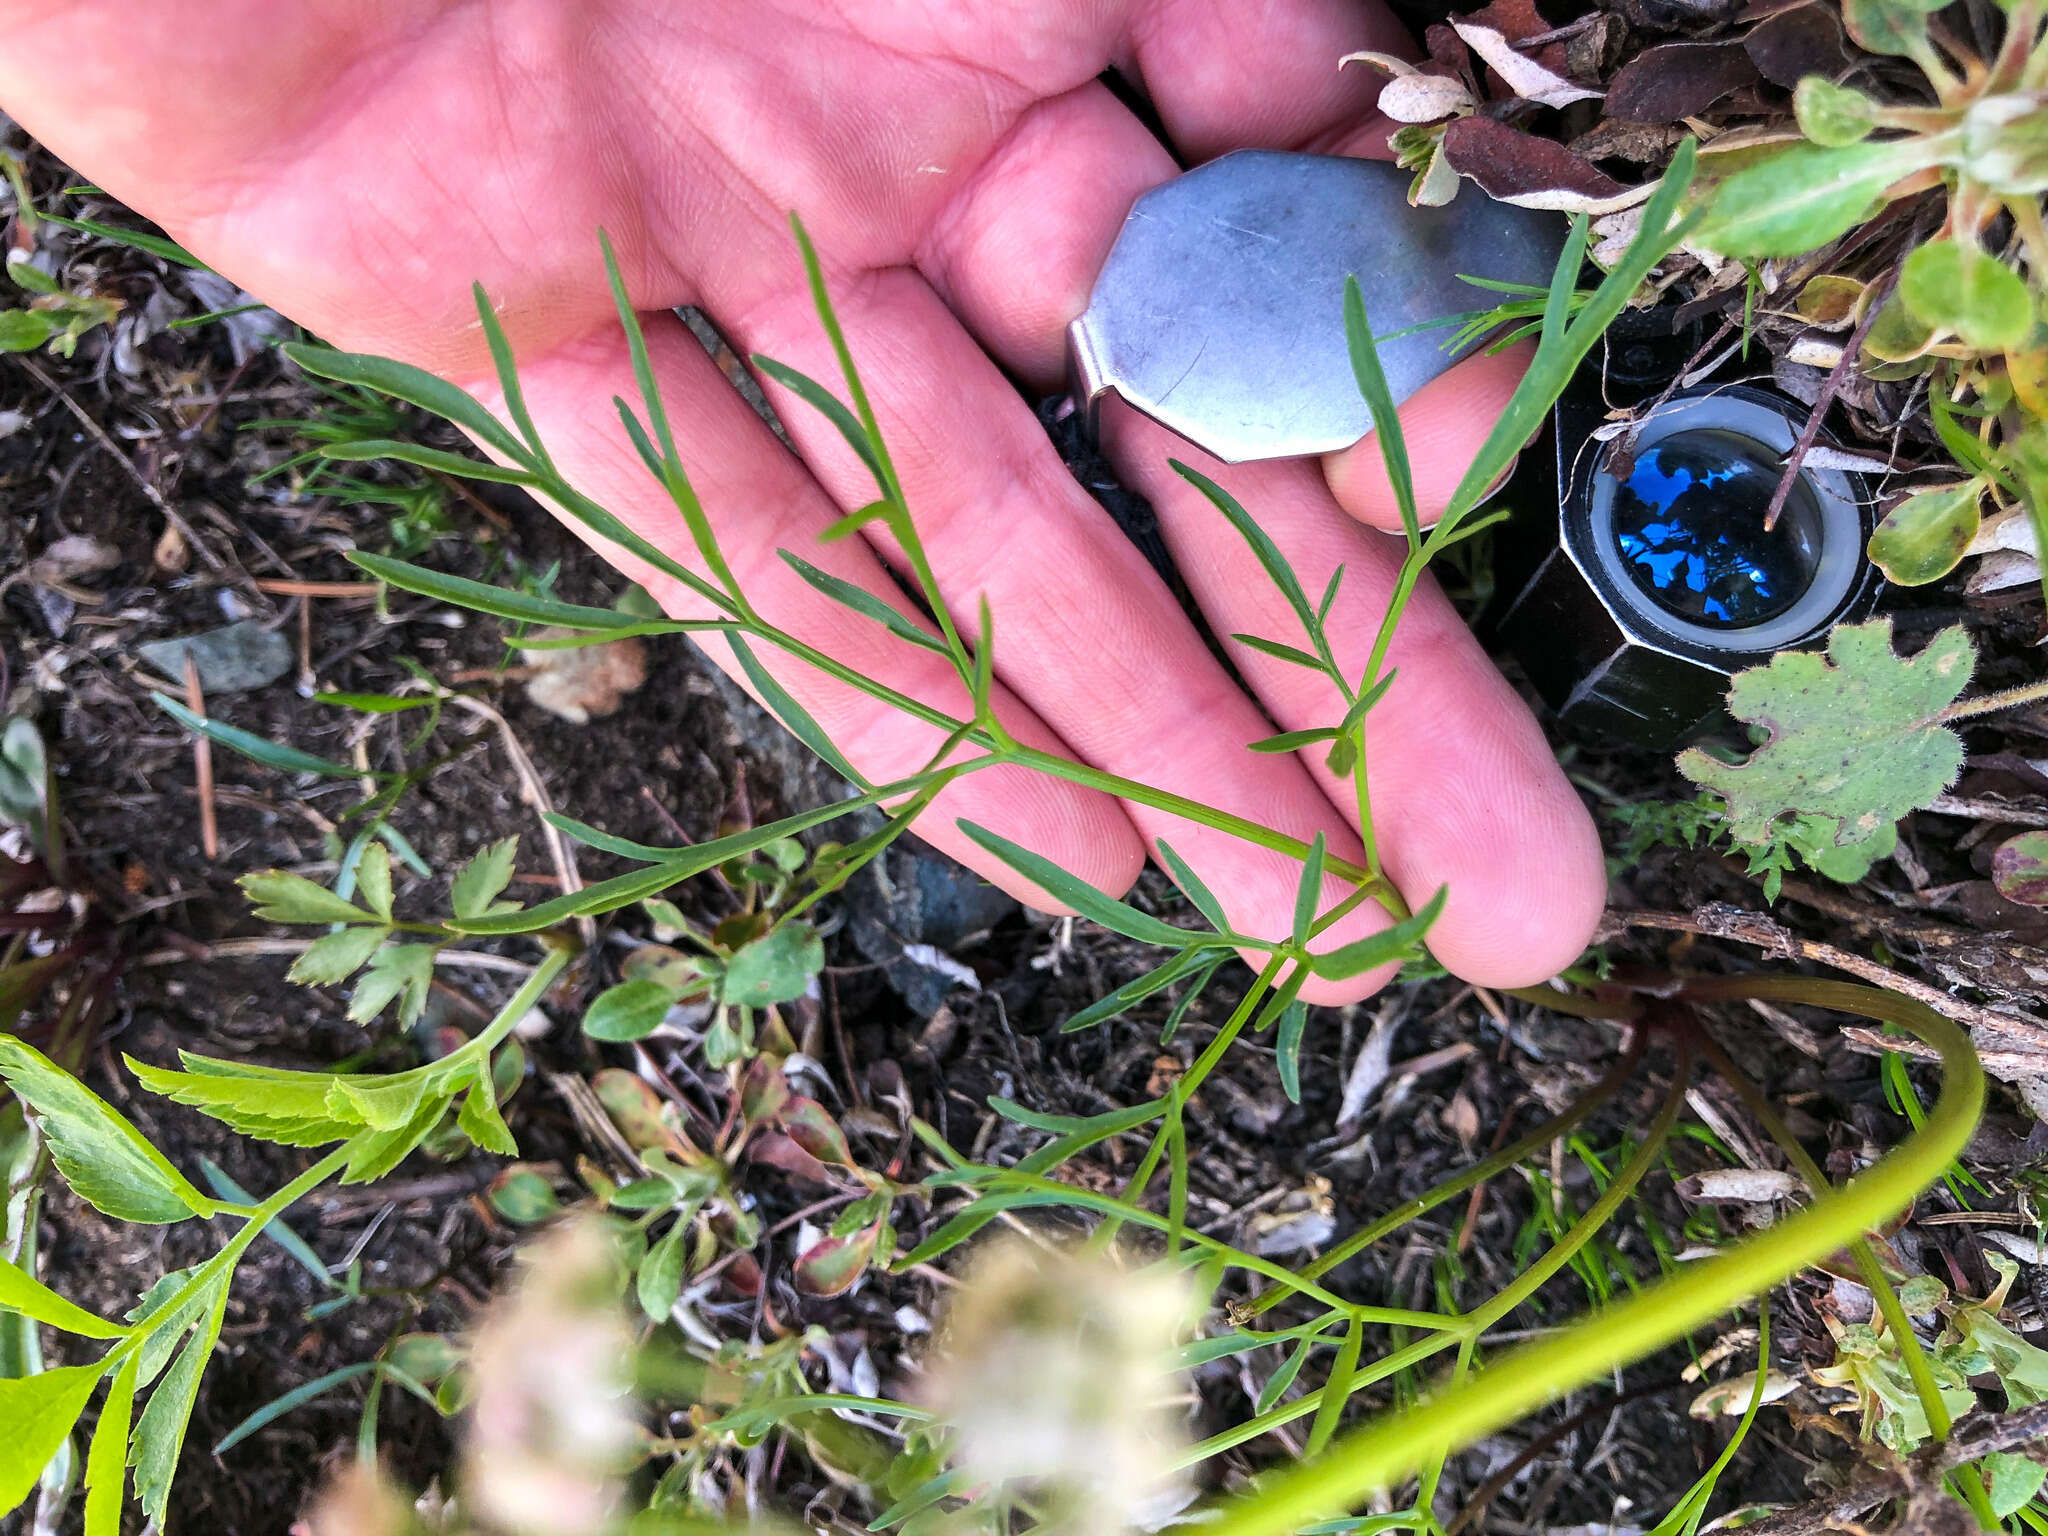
x: 1663, y: 573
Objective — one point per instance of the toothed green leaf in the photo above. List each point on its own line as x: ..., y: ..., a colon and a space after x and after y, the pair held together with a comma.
x: 1855, y: 734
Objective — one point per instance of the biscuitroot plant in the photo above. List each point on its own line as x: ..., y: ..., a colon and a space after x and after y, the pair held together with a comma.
x: 1337, y: 1348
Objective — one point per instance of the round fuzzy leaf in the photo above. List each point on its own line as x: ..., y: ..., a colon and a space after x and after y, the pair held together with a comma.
x: 1855, y: 735
x: 2020, y: 869
x: 666, y: 966
x: 1963, y: 289
x: 2005, y: 144
x: 425, y: 1357
x: 1924, y: 536
x: 1833, y: 114
x: 523, y: 1196
x: 776, y: 967
x: 632, y: 1010
x: 634, y: 1108
x: 1897, y: 336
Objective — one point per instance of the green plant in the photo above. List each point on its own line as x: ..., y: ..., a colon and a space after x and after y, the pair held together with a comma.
x: 678, y: 1211
x: 1964, y: 308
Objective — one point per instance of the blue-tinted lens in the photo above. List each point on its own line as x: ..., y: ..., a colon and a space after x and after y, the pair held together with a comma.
x: 1690, y: 523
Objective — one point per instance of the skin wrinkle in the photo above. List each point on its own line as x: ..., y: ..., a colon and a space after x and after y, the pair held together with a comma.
x: 631, y: 149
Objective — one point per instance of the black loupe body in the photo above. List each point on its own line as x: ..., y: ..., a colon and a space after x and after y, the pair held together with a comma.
x: 1659, y: 577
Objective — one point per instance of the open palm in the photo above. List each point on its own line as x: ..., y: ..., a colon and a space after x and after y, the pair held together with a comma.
x: 358, y: 163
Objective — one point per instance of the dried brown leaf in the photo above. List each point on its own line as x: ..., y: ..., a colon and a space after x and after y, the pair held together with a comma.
x: 1677, y: 80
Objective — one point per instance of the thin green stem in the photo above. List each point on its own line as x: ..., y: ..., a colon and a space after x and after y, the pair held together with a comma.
x: 1557, y: 1125
x: 1377, y: 1455
x: 272, y: 1208
x: 1598, y: 1214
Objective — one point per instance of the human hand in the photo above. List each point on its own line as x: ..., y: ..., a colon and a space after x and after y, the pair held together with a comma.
x: 358, y: 162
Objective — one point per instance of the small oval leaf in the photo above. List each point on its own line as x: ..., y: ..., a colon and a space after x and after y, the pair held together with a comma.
x: 2020, y: 869
x: 1924, y: 536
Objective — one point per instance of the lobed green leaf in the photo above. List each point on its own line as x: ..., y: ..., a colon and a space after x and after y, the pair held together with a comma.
x: 105, y: 1159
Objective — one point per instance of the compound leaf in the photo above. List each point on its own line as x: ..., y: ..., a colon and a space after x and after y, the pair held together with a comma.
x: 1855, y: 734
x: 337, y: 956
x: 108, y: 1162
x: 38, y: 1411
x: 480, y: 881
x: 284, y: 898
x: 106, y: 1464
x: 22, y: 1292
x: 160, y: 1432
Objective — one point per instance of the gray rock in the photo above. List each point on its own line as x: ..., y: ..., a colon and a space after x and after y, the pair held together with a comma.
x: 232, y: 659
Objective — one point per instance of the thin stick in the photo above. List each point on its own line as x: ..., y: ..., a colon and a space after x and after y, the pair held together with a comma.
x: 279, y: 587
x: 536, y: 795
x: 202, y: 763
x: 149, y: 487
x: 1829, y: 388
x: 1719, y: 920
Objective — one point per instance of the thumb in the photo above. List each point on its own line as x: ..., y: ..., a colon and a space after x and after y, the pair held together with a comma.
x: 1444, y: 424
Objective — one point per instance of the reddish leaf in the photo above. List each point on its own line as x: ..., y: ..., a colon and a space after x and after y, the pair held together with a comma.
x: 634, y: 1108
x: 1675, y: 80
x: 2020, y: 869
x: 780, y: 1151
x: 763, y: 1092
x: 812, y: 1127
x: 832, y: 1264
x: 1519, y: 167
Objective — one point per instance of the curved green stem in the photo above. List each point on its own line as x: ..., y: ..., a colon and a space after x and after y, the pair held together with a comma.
x: 1377, y: 1455
x: 1541, y: 1136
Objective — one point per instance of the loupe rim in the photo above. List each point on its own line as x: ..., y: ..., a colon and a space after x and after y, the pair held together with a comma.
x: 1841, y: 578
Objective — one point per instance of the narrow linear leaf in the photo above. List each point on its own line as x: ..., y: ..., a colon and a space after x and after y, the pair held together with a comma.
x: 1262, y: 545
x: 829, y: 406
x: 413, y: 385
x: 1281, y: 651
x: 269, y: 753
x: 106, y: 1161
x: 135, y: 239
x: 1389, y: 945
x: 1287, y: 1048
x: 482, y: 597
x: 865, y: 603
x: 1193, y: 887
x: 794, y: 715
x: 1138, y: 989
x: 1379, y: 399
x: 298, y: 1397
x: 1308, y: 895
x: 1077, y: 893
x: 1292, y: 741
x: 106, y: 1462
x: 1337, y: 1390
x: 367, y: 449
